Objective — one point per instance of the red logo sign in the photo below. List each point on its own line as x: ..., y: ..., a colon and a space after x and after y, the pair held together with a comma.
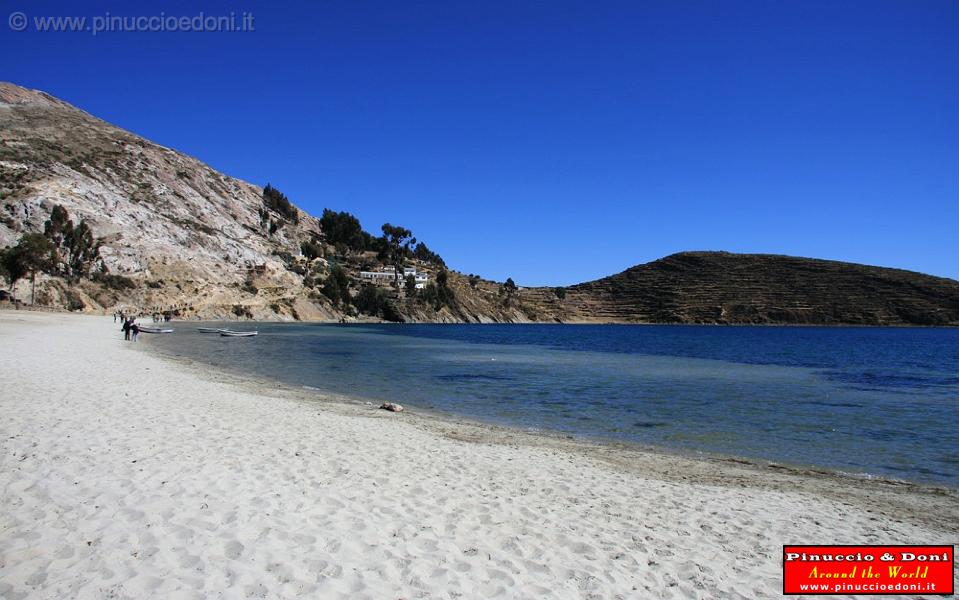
x: 855, y: 570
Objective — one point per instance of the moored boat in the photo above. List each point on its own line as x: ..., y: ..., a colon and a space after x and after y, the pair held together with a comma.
x: 210, y: 329
x: 227, y: 333
x: 144, y: 329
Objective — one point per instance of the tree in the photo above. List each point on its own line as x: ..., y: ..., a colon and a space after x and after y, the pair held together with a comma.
x: 439, y: 294
x: 76, y: 246
x: 445, y: 293
x: 58, y: 227
x: 374, y: 301
x: 34, y: 252
x: 398, y: 241
x: 560, y: 292
x: 82, y: 250
x: 4, y: 272
x: 509, y: 288
x: 275, y: 200
x: 423, y: 253
x: 344, y: 228
x: 474, y: 280
x: 311, y: 249
x: 410, y: 286
x: 429, y: 296
x: 337, y: 286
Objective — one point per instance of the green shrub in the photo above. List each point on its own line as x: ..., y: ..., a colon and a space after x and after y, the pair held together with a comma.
x: 422, y: 252
x: 311, y: 249
x: 275, y: 200
x: 344, y: 228
x: 337, y: 287
x: 439, y: 294
x: 114, y: 282
x: 375, y: 301
x: 242, y: 311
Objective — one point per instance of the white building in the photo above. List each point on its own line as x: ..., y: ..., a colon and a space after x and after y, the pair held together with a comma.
x: 390, y: 276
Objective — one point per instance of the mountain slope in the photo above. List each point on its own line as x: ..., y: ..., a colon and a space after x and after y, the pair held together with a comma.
x: 190, y: 240
x: 165, y: 218
x: 186, y: 239
x: 720, y: 287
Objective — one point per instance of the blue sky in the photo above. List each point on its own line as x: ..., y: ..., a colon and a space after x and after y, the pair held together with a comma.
x: 555, y: 142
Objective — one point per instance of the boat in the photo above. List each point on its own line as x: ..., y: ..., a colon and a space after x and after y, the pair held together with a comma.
x: 145, y: 329
x: 210, y: 330
x: 226, y: 333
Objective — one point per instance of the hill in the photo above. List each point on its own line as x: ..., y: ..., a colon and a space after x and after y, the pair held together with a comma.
x: 176, y: 236
x: 169, y: 234
x: 720, y: 287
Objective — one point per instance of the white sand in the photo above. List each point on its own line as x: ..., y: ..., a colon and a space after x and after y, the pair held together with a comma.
x: 127, y: 476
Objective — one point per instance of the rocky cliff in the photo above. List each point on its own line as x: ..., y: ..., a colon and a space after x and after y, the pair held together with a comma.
x: 177, y: 236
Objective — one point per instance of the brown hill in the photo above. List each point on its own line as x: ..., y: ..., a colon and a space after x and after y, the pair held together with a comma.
x: 720, y: 287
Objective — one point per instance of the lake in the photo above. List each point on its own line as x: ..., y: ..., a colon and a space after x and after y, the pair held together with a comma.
x: 876, y: 401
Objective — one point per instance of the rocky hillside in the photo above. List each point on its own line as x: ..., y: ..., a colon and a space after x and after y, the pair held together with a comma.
x: 176, y: 236
x: 184, y: 233
x: 719, y: 287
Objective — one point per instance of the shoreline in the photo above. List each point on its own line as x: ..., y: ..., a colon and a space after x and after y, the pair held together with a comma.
x: 6, y: 306
x: 129, y: 473
x: 697, y: 466
x: 773, y: 464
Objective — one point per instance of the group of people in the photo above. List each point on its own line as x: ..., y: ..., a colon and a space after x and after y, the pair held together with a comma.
x: 129, y: 328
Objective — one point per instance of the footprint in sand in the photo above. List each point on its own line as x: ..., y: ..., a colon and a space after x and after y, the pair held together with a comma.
x: 37, y: 578
x: 190, y: 561
x: 233, y: 550
x: 257, y: 590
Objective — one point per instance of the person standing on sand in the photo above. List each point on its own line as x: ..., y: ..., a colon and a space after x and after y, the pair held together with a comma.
x: 126, y: 329
x: 134, y: 329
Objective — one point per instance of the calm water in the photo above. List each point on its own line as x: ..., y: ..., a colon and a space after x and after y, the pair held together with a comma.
x: 861, y: 400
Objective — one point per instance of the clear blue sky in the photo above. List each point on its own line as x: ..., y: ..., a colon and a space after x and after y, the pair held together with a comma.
x: 556, y: 142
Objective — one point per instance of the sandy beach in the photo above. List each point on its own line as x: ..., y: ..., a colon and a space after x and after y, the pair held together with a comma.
x: 124, y: 475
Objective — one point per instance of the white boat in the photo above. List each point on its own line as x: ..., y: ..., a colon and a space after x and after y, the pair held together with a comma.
x: 144, y: 329
x: 226, y: 333
x: 210, y: 330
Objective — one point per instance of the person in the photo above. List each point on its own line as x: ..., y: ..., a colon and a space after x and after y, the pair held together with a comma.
x: 126, y: 329
x: 114, y: 316
x: 135, y: 330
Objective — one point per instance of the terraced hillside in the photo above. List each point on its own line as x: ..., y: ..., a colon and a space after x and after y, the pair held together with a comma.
x: 720, y: 287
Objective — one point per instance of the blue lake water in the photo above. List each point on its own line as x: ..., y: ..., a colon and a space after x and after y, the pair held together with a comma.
x: 861, y: 400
